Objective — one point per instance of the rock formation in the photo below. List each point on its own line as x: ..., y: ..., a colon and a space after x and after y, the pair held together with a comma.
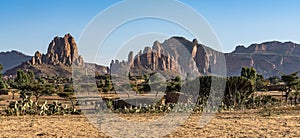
x: 61, y: 50
x: 176, y: 55
x: 181, y: 56
x: 62, y: 53
x: 269, y: 58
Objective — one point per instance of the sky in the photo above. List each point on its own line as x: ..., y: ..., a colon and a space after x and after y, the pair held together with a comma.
x: 30, y: 25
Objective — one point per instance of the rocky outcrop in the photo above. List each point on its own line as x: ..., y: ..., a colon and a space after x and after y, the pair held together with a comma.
x: 269, y: 58
x: 181, y: 56
x: 62, y: 53
x: 177, y: 56
x: 61, y: 50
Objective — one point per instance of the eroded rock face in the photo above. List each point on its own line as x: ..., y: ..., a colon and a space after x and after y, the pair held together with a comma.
x: 181, y: 56
x: 269, y: 58
x: 61, y: 50
x: 176, y: 55
x: 37, y: 59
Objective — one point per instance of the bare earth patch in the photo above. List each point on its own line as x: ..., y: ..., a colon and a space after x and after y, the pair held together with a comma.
x: 281, y: 122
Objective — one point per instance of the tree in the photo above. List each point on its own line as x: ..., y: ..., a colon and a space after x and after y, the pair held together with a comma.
x: 251, y: 74
x: 2, y: 84
x: 238, y: 89
x: 174, y: 84
x: 296, y: 93
x: 39, y: 89
x: 290, y: 81
x: 23, y: 81
x: 107, y: 85
x: 274, y: 80
x: 156, y: 83
x: 261, y: 83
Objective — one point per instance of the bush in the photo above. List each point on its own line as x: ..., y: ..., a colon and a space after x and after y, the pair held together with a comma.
x: 27, y: 107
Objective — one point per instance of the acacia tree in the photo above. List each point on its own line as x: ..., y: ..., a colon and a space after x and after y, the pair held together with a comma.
x: 238, y: 89
x: 251, y: 74
x: 39, y: 89
x: 290, y: 81
x: 21, y: 82
x: 174, y: 84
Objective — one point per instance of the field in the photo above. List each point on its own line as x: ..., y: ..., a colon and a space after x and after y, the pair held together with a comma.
x: 265, y: 122
x: 281, y: 122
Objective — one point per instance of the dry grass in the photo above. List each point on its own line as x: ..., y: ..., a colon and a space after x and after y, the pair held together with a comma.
x: 282, y: 122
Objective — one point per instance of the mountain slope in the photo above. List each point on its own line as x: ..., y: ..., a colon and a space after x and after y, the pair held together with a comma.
x: 12, y: 59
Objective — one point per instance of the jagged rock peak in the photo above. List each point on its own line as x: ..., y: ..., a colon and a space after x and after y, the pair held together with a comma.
x: 130, y: 58
x: 61, y: 50
x: 147, y: 50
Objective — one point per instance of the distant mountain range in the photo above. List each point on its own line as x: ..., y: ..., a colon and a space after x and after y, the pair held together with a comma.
x: 175, y: 55
x: 12, y: 59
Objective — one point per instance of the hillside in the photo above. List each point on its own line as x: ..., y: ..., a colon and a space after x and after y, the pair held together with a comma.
x: 12, y: 59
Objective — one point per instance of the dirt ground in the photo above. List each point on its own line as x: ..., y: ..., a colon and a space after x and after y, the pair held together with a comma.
x: 276, y: 122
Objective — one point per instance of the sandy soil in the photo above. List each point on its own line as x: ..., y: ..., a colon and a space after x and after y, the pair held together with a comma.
x: 278, y: 122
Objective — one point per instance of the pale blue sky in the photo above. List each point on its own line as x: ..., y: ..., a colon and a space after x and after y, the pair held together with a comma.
x: 30, y: 25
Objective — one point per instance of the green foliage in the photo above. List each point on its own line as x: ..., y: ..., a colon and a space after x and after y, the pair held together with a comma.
x: 99, y: 84
x: 274, y: 80
x: 107, y: 85
x: 251, y: 74
x: 290, y: 80
x: 67, y: 95
x: 27, y: 107
x: 174, y: 84
x: 237, y: 92
x: 154, y: 108
x: 3, y: 85
x: 39, y: 89
x: 68, y: 88
x: 23, y: 80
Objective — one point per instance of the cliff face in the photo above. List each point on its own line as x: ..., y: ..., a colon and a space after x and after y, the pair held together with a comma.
x: 176, y: 56
x: 269, y: 58
x: 61, y: 50
x: 181, y: 56
x: 62, y: 53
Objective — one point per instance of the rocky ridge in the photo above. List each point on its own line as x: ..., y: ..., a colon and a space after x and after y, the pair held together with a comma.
x: 182, y: 56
